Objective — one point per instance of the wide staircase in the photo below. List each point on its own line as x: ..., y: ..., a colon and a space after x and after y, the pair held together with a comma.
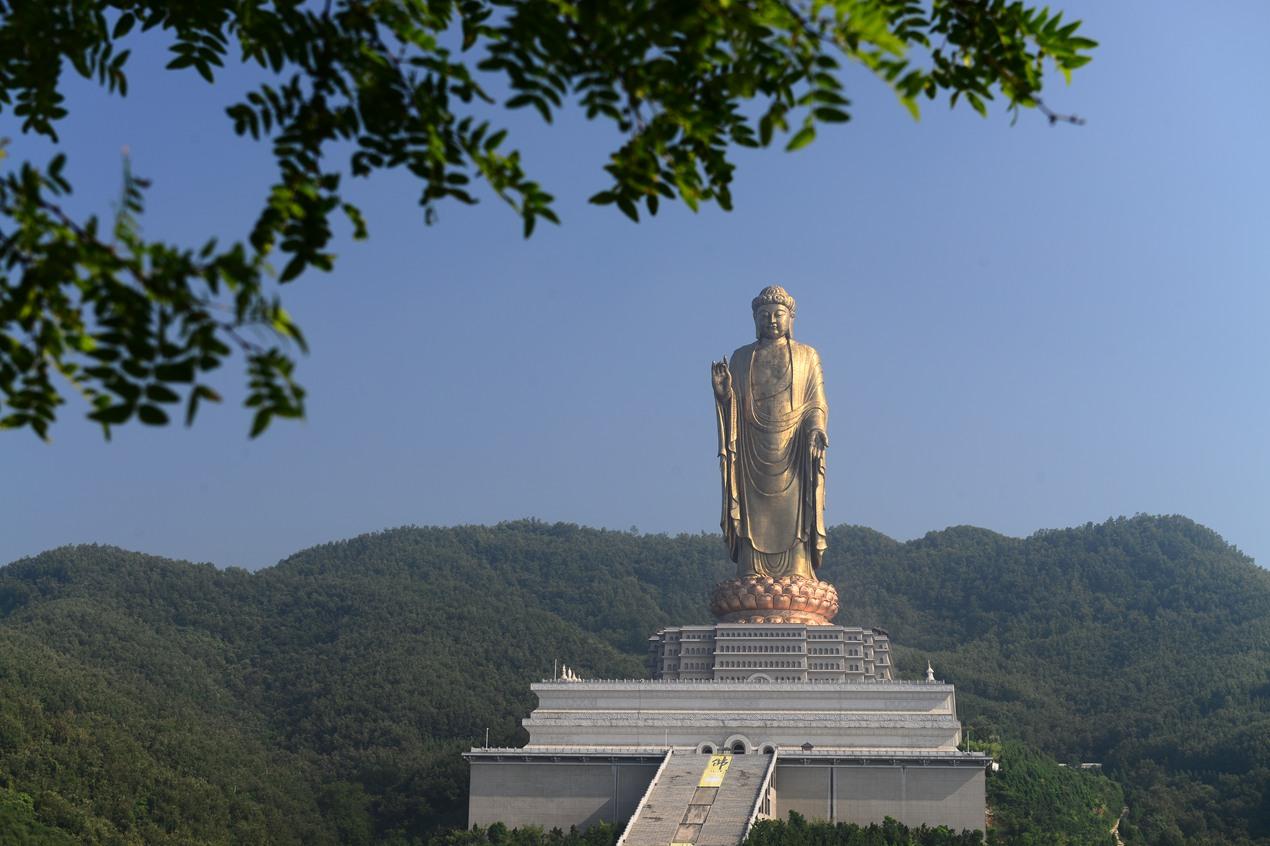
x: 699, y: 800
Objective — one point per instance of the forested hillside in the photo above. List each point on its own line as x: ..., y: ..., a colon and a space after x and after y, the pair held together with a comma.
x: 325, y: 700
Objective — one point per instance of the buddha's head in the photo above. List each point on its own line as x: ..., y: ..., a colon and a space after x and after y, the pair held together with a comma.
x: 774, y: 311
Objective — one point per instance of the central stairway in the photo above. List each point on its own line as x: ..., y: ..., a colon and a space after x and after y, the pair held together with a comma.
x: 700, y: 800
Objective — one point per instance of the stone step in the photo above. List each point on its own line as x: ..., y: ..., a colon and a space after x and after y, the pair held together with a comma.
x: 679, y: 811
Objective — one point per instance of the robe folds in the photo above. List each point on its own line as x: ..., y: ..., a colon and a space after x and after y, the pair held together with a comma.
x: 773, y: 490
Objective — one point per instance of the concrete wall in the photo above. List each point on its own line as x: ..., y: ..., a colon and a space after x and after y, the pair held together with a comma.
x: 563, y: 794
x: 801, y: 789
x: 916, y: 795
x: 551, y: 794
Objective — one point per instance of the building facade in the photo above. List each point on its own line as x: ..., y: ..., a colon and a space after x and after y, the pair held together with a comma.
x: 770, y: 652
x: 853, y: 752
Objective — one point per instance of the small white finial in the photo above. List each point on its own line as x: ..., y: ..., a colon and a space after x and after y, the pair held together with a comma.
x: 930, y: 672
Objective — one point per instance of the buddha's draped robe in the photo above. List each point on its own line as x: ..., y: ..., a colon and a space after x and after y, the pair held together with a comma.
x: 773, y: 490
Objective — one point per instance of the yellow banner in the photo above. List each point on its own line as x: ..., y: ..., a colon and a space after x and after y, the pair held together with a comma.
x: 713, y: 774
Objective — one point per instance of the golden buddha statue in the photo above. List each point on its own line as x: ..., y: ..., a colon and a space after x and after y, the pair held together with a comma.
x: 772, y: 417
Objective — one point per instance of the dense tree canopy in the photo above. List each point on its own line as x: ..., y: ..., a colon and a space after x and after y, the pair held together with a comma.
x: 136, y: 326
x: 327, y: 699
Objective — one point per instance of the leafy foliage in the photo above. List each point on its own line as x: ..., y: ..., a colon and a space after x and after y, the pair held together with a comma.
x: 327, y: 699
x: 797, y: 831
x: 1139, y: 643
x: 1034, y: 800
x: 19, y: 826
x: 603, y: 834
x: 165, y: 703
x: 136, y: 326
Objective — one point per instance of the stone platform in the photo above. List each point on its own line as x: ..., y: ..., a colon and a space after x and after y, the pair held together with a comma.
x: 744, y: 716
x: 853, y: 751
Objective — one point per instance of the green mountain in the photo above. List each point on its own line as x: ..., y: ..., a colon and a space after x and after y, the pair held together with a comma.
x: 326, y: 699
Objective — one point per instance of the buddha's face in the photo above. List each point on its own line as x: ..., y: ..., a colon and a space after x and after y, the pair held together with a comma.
x: 772, y: 321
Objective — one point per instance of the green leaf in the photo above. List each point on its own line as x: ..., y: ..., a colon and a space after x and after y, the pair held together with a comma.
x: 628, y: 208
x: 200, y: 392
x: 293, y: 268
x: 159, y: 393
x: 260, y: 422
x: 152, y: 415
x: 828, y: 114
x: 177, y: 371
x: 124, y: 25
x: 112, y: 414
x: 801, y: 139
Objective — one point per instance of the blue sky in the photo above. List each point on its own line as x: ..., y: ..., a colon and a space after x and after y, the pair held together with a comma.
x: 1022, y: 327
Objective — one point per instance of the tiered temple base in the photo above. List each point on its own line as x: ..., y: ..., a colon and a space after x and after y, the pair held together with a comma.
x: 763, y: 599
x: 784, y: 709
x: 770, y: 652
x: 852, y: 752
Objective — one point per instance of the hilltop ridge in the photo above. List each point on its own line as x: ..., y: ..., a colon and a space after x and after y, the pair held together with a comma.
x: 325, y: 699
